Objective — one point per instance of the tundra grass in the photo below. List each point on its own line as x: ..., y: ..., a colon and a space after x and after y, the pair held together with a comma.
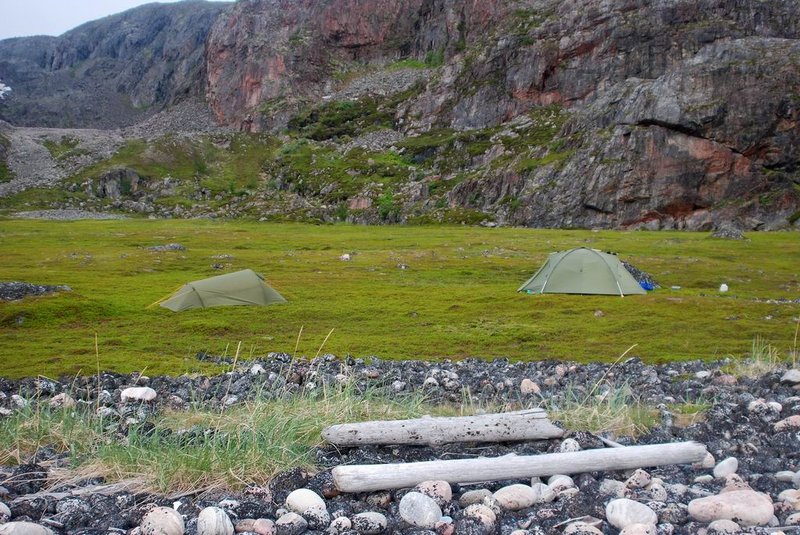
x: 455, y: 298
x: 200, y: 449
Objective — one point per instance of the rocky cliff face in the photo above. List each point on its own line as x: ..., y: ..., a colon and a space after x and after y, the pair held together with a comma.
x: 109, y: 72
x: 621, y: 113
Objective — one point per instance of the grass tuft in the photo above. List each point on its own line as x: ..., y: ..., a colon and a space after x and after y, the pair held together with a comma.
x: 201, y: 448
x: 764, y: 358
x: 617, y: 410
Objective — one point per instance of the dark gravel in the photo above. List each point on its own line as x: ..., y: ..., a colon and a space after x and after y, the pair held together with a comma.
x: 738, y: 425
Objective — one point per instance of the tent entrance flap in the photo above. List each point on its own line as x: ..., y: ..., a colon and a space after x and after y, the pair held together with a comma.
x: 583, y: 271
x: 244, y: 287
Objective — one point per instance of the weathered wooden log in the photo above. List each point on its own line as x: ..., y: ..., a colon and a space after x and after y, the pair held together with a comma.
x: 365, y: 478
x: 531, y: 424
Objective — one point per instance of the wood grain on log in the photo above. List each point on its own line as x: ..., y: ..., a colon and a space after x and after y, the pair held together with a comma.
x: 365, y: 478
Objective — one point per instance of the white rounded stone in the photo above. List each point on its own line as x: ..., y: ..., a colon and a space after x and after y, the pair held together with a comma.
x: 214, y: 521
x: 162, y: 521
x: 639, y: 529
x: 581, y: 528
x: 317, y: 517
x: 264, y: 526
x: 612, y: 487
x: 745, y: 507
x: 792, y: 497
x: 723, y: 527
x: 138, y: 393
x: 301, y: 500
x: 623, y: 512
x: 369, y: 523
x: 473, y: 496
x: 542, y: 493
x: 784, y: 475
x: 5, y: 512
x: 639, y: 479
x: 62, y: 401
x: 24, y: 528
x: 708, y: 461
x: 440, y: 491
x: 528, y: 387
x: 420, y: 510
x: 291, y: 523
x: 658, y: 492
x: 515, y: 497
x: 569, y: 445
x: 339, y: 525
x: 793, y: 519
x: 560, y: 482
x: 482, y: 513
x: 726, y: 467
x: 791, y: 377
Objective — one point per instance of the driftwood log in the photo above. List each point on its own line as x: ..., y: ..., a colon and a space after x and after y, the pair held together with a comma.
x: 366, y: 478
x: 531, y: 424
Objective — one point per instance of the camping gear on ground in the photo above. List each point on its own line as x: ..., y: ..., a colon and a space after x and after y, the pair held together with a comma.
x: 244, y: 287
x: 582, y: 271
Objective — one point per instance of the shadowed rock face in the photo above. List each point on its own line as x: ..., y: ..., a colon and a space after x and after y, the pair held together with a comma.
x: 680, y: 113
x: 110, y: 72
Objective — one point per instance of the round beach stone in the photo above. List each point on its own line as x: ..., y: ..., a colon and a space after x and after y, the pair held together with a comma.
x: 214, y: 521
x: 581, y: 528
x: 24, y: 528
x: 784, y: 475
x: 612, y: 487
x: 796, y: 479
x: 623, y: 512
x: 369, y: 523
x: 708, y: 461
x: 542, y: 493
x: 792, y: 497
x: 317, y: 517
x: 264, y: 526
x: 791, y: 377
x: 726, y: 467
x: 162, y: 521
x: 340, y: 525
x: 793, y: 519
x: 482, y: 513
x: 569, y: 445
x: 300, y: 500
x: 639, y: 529
x: 792, y: 422
x: 528, y: 387
x: 560, y: 482
x: 473, y: 496
x: 5, y: 513
x: 138, y: 393
x: 420, y: 510
x: 639, y: 479
x: 291, y: 524
x: 658, y: 492
x: 515, y: 497
x: 723, y: 527
x: 745, y: 507
x: 440, y: 491
x: 62, y: 401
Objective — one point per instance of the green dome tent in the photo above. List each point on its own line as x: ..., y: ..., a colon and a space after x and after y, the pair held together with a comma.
x: 244, y: 287
x: 582, y: 271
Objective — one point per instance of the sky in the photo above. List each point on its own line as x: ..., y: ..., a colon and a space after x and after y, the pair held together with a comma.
x: 54, y: 17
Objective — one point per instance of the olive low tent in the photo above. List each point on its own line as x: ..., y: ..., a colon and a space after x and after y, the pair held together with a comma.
x: 582, y: 271
x: 244, y: 287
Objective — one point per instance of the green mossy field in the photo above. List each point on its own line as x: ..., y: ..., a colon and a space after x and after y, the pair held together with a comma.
x: 457, y: 297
